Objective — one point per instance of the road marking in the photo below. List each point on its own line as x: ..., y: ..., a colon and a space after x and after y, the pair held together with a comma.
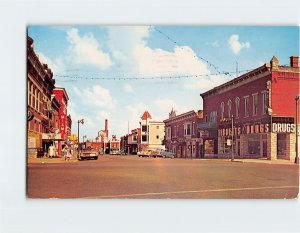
x: 193, y: 191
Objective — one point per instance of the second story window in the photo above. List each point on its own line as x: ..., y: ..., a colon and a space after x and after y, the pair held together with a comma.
x: 229, y: 108
x: 237, y: 107
x: 222, y: 110
x: 246, y: 99
x: 187, y: 129
x: 265, y: 101
x: 255, y: 103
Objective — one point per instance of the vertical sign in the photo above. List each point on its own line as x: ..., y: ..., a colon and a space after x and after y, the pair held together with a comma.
x: 62, y: 124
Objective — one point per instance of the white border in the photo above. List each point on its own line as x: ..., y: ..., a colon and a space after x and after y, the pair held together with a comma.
x: 17, y: 214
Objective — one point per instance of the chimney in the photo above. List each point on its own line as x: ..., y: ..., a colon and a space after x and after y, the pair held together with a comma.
x: 106, y: 125
x: 294, y: 62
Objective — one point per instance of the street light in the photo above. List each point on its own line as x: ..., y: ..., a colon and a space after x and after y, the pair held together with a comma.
x: 82, y: 122
x: 297, y: 158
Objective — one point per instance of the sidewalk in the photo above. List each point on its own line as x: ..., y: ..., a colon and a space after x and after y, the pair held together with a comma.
x: 33, y: 160
x: 262, y: 160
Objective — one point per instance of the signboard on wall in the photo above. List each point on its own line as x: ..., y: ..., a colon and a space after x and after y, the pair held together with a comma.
x: 62, y: 124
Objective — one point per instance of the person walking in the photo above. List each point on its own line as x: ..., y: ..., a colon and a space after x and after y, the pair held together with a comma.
x: 67, y: 153
x: 51, y: 151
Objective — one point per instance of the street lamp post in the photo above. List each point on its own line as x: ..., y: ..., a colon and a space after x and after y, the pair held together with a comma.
x: 79, y: 121
x: 296, y: 122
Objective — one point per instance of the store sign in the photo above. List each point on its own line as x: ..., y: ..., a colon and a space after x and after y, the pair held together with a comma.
x: 258, y: 128
x: 283, y: 128
x: 62, y: 124
x: 245, y: 129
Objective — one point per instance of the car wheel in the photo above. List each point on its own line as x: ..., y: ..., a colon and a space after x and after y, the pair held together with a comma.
x: 164, y: 156
x: 172, y: 157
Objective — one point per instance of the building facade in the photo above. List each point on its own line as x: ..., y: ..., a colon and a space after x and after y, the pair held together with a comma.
x: 253, y: 115
x: 40, y: 84
x: 182, y: 135
x: 61, y: 95
x: 152, y: 133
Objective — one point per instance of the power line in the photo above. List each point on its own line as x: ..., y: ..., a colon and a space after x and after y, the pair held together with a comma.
x: 76, y: 77
x: 181, y: 47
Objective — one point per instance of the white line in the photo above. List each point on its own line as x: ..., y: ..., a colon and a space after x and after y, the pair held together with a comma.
x: 194, y: 191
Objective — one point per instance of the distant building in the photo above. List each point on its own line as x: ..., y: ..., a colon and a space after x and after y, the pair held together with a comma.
x: 152, y: 133
x: 103, y: 138
x: 261, y: 106
x: 182, y: 135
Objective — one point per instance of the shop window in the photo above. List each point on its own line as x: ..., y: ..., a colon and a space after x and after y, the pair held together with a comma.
x: 254, y: 145
x: 281, y: 144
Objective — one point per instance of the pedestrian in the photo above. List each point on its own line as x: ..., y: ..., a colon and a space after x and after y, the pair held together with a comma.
x: 67, y: 153
x: 51, y: 151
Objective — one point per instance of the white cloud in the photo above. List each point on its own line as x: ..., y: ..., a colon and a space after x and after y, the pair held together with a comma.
x: 165, y: 106
x: 128, y: 88
x: 235, y: 45
x: 86, y: 50
x: 56, y: 66
x: 96, y: 96
x: 205, y: 83
x: 135, y: 113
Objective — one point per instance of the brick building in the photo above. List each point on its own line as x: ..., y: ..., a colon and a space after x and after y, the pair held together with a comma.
x: 65, y: 121
x: 182, y: 136
x: 40, y: 84
x: 257, y: 110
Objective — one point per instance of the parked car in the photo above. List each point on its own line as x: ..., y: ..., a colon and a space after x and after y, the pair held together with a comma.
x: 164, y: 154
x: 145, y: 153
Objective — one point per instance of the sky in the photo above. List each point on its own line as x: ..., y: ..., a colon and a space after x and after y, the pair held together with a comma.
x: 118, y: 72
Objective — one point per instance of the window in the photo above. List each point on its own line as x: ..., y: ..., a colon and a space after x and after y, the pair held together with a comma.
x: 144, y: 128
x: 144, y: 138
x: 169, y: 132
x: 246, y: 99
x: 157, y: 127
x: 206, y: 118
x: 222, y: 110
x: 237, y: 107
x: 281, y: 144
x: 229, y: 108
x: 255, y: 103
x: 265, y: 100
x: 213, y: 116
x: 157, y: 136
x: 187, y: 129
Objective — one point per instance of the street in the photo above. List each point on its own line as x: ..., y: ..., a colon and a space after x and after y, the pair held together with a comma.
x: 157, y: 178
x: 134, y: 177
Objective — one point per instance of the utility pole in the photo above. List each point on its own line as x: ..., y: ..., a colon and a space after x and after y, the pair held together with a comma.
x: 296, y: 122
x: 232, y: 144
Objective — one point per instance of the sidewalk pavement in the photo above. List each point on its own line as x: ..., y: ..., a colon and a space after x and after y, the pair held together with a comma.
x: 34, y: 160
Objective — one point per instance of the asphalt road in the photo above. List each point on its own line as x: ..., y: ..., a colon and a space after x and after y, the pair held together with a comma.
x: 157, y: 178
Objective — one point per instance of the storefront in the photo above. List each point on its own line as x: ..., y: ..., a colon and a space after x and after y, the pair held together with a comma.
x: 258, y: 140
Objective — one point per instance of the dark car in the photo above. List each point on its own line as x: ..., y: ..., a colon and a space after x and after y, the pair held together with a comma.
x: 164, y: 154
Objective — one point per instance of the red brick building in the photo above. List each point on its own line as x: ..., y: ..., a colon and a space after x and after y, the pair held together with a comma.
x: 181, y: 134
x: 64, y: 119
x: 40, y: 84
x: 257, y: 110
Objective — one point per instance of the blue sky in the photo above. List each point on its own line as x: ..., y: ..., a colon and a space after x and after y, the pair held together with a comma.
x: 112, y: 52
